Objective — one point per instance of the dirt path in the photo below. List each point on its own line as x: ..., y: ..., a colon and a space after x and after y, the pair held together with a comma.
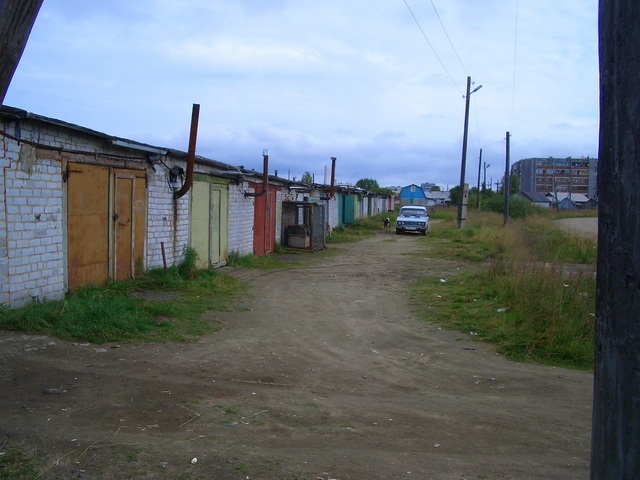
x: 583, y: 226
x: 324, y: 373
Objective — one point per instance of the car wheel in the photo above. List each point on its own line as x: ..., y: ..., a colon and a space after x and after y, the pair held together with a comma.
x: 398, y: 231
x: 424, y: 232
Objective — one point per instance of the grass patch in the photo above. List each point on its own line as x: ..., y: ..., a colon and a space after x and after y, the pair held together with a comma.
x: 158, y: 307
x: 16, y: 464
x: 527, y: 297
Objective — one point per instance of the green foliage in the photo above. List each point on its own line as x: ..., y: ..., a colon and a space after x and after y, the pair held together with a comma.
x: 530, y: 312
x: 518, y: 207
x: 368, y: 184
x: 160, y: 306
x: 524, y: 294
x: 188, y: 267
x: 454, y: 195
x: 307, y: 177
x: 551, y: 244
x: 16, y: 464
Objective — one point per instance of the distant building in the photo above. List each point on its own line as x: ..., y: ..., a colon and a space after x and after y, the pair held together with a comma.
x: 437, y: 198
x: 412, y: 195
x: 427, y: 186
x: 574, y: 201
x: 538, y: 199
x: 555, y: 175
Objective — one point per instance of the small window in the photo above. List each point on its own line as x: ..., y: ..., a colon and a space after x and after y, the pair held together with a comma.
x: 413, y: 189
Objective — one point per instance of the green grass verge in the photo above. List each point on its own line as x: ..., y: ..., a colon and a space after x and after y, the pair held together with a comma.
x: 16, y: 464
x: 524, y: 294
x: 159, y: 307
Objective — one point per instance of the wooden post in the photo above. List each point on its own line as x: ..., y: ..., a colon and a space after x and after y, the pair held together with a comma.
x: 16, y: 21
x: 478, y: 192
x: 462, y: 217
x: 506, y: 185
x: 615, y: 441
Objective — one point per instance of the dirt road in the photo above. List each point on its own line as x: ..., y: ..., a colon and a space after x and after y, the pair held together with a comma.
x: 583, y: 226
x: 324, y: 373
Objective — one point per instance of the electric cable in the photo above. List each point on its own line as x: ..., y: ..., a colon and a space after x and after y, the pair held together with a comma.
x: 432, y: 48
x: 448, y: 38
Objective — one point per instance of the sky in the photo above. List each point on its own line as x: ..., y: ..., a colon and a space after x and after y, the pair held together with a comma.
x: 378, y: 85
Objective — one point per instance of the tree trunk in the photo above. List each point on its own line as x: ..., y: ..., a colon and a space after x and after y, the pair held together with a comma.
x: 615, y: 451
x: 16, y: 22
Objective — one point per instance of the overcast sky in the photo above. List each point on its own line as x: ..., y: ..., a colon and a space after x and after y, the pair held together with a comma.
x: 360, y: 80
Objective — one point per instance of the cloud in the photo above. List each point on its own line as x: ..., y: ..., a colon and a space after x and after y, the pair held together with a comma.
x: 309, y: 80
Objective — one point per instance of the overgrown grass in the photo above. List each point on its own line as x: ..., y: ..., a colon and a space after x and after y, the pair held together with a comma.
x: 160, y: 306
x: 527, y: 296
x: 16, y: 464
x: 532, y: 239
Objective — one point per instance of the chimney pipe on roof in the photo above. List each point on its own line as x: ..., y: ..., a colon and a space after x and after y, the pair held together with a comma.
x: 191, y: 155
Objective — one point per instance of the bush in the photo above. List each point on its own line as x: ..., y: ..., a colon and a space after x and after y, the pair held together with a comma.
x: 518, y: 207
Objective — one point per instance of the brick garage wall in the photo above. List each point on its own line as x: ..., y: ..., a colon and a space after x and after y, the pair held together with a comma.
x: 167, y: 220
x: 333, y: 212
x: 31, y: 223
x: 280, y: 196
x: 33, y: 256
x: 241, y: 213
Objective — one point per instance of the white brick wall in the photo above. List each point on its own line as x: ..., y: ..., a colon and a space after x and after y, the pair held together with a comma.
x: 241, y: 213
x: 32, y: 242
x: 333, y: 212
x: 167, y: 222
x: 33, y: 210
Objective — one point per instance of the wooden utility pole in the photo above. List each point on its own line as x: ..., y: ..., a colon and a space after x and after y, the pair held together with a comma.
x: 462, y: 197
x: 16, y: 21
x: 478, y: 192
x: 615, y: 440
x: 506, y: 186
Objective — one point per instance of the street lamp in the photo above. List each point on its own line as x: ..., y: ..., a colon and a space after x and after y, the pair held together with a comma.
x: 462, y: 206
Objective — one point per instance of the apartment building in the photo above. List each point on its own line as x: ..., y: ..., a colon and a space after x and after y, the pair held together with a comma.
x: 558, y: 175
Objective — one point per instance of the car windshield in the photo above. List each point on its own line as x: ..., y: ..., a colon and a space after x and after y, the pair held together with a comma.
x: 413, y: 212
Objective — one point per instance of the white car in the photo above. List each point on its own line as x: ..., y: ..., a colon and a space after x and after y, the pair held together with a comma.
x: 412, y: 219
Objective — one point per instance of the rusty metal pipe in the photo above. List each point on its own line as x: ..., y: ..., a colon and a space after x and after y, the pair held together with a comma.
x: 332, y: 188
x: 191, y: 155
x: 265, y: 178
x: 265, y: 172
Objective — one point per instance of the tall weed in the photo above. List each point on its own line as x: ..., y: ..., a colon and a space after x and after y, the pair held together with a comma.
x: 529, y: 298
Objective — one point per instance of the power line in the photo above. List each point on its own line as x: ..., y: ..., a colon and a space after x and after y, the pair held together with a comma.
x: 433, y: 49
x: 447, y: 35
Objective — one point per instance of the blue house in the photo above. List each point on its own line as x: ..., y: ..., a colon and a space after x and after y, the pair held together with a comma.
x: 412, y: 195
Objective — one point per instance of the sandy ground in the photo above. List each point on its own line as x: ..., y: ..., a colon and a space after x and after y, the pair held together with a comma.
x: 324, y: 372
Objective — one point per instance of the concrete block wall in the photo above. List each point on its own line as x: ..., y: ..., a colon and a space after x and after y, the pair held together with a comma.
x: 241, y: 213
x: 31, y: 224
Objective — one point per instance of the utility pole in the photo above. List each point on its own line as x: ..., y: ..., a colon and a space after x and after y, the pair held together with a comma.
x: 507, y: 184
x: 462, y: 196
x: 478, y: 192
x: 615, y: 439
x: 484, y: 180
x: 16, y: 21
